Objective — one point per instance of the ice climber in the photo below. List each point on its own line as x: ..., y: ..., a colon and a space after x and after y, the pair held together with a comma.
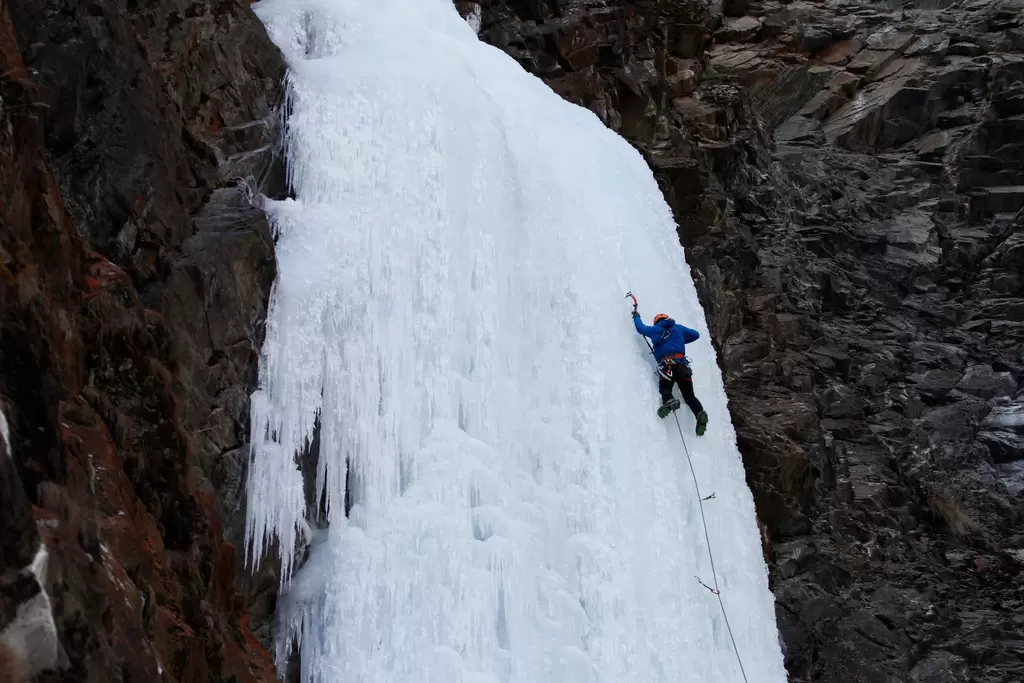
x: 669, y: 344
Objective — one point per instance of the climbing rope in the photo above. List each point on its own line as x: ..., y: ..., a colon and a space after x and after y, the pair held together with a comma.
x: 714, y: 573
x: 704, y: 522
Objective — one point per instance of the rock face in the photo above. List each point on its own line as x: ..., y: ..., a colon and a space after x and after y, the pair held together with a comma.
x: 134, y: 275
x: 848, y: 181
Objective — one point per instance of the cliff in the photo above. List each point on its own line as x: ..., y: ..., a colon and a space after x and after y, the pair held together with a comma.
x: 134, y: 274
x: 848, y: 180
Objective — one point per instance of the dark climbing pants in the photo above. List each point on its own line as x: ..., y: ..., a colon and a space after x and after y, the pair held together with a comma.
x: 670, y: 374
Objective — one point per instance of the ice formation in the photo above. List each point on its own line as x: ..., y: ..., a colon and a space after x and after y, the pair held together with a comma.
x: 28, y: 642
x: 5, y: 433
x: 449, y: 307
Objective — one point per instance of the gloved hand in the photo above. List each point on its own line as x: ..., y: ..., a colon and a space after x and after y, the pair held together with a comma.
x: 636, y: 313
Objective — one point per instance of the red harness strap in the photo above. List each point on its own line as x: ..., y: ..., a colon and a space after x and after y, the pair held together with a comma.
x: 667, y: 362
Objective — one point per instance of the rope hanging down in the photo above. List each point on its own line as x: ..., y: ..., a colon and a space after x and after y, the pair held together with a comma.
x: 714, y: 573
x: 704, y: 522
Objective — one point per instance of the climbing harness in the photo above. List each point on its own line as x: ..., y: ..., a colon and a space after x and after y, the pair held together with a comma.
x: 700, y: 501
x: 667, y: 366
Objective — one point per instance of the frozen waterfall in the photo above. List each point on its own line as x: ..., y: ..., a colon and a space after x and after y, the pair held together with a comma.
x: 449, y: 306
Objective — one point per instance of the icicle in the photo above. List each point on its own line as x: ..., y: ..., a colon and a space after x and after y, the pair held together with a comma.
x: 448, y: 313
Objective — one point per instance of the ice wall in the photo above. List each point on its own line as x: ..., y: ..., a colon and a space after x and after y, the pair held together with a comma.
x: 450, y: 304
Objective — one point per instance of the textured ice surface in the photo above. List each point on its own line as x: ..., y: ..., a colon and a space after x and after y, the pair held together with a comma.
x: 450, y: 304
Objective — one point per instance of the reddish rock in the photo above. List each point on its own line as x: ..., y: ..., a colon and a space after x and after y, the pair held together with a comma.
x: 578, y: 45
x: 839, y: 53
x: 105, y: 469
x: 682, y: 76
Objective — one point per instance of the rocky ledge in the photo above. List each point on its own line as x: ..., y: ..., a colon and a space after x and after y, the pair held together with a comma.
x: 848, y: 180
x: 134, y: 274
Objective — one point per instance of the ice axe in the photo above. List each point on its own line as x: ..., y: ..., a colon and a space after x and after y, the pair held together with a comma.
x: 629, y: 295
x: 636, y: 305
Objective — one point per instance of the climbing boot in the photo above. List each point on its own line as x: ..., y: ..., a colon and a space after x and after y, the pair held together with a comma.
x: 668, y: 407
x: 702, y: 423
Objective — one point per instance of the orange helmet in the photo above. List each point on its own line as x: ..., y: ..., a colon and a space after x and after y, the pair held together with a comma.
x: 658, y: 318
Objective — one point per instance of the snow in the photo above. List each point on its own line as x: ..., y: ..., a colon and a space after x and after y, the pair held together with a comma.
x: 30, y: 637
x: 450, y: 307
x: 475, y: 18
x: 5, y: 433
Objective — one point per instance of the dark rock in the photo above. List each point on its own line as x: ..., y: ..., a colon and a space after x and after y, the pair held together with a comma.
x: 937, y: 355
x: 934, y: 385
x: 841, y: 52
x: 929, y: 44
x: 217, y: 312
x: 743, y: 29
x: 940, y: 666
x: 1002, y: 431
x: 841, y: 402
x: 799, y: 129
x: 814, y: 39
x: 794, y: 558
x: 885, y: 115
x: 870, y: 62
x: 935, y: 145
x: 964, y: 49
x: 1009, y: 102
x: 688, y: 40
x: 681, y: 76
x: 130, y: 181
x: 735, y: 8
x: 985, y: 382
x: 821, y: 105
x: 963, y: 116
x: 133, y: 118
x: 889, y: 40
x: 953, y: 422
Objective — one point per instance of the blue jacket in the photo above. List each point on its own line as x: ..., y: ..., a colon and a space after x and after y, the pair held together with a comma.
x: 668, y: 336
